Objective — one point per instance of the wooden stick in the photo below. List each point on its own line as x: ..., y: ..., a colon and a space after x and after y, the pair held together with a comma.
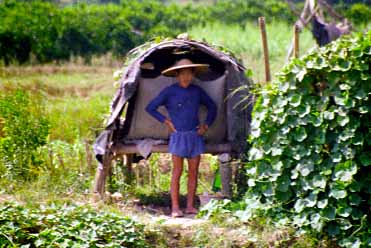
x: 302, y: 23
x: 265, y: 49
x: 296, y: 40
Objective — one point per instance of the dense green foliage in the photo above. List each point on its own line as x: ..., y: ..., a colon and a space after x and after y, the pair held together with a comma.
x: 42, y: 31
x: 23, y: 130
x: 310, y: 155
x: 359, y: 13
x: 66, y: 226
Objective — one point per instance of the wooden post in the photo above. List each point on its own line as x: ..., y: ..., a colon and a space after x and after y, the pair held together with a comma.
x: 101, y: 176
x: 225, y: 167
x: 265, y: 48
x: 296, y: 40
x: 129, y: 168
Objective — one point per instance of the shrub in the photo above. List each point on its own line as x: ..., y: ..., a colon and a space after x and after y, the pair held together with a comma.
x: 47, y: 32
x: 310, y: 134
x: 23, y: 130
x: 359, y: 13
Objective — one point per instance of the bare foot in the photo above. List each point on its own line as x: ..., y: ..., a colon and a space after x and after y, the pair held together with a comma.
x: 191, y: 210
x: 176, y: 213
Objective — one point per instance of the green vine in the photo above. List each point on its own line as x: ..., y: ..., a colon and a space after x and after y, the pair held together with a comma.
x: 311, y: 144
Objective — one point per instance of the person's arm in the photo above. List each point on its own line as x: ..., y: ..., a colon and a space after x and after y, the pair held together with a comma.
x: 211, y: 108
x: 155, y: 103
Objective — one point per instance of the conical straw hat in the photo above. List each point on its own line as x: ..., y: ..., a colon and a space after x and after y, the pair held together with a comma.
x: 184, y: 63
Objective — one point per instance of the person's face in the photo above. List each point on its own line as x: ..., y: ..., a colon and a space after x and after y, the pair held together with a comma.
x: 185, y: 77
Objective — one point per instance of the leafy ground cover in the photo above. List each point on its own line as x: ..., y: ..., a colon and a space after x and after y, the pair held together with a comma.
x: 66, y: 226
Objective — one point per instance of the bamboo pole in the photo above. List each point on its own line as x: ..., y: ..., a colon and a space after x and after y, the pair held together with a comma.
x: 296, y: 40
x: 265, y: 48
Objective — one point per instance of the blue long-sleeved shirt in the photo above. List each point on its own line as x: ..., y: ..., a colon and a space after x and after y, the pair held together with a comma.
x: 183, y: 105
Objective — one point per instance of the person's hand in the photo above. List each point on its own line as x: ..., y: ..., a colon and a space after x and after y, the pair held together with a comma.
x: 202, y: 129
x: 170, y: 125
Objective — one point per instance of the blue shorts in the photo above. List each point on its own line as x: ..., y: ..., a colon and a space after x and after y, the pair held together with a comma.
x: 186, y: 144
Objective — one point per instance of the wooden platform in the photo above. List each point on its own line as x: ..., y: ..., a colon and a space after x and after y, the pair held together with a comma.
x: 122, y: 149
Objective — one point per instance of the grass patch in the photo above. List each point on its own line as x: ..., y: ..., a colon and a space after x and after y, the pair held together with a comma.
x: 245, y: 42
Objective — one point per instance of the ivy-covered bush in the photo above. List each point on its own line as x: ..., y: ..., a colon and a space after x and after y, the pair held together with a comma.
x: 310, y: 161
x: 66, y: 226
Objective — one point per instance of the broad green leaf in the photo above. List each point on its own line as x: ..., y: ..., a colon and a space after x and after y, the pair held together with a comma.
x: 300, y: 204
x: 300, y: 134
x: 329, y: 115
x: 360, y: 94
x: 316, y: 222
x: 342, y: 120
x: 283, y: 87
x: 365, y: 158
x: 345, y: 224
x: 316, y: 120
x: 303, y: 111
x: 276, y: 151
x: 301, y: 219
x: 322, y: 203
x: 305, y: 168
x: 333, y: 229
x: 279, y: 101
x: 295, y: 100
x: 319, y: 181
x: 301, y: 74
x: 346, y: 134
x: 343, y: 65
x: 354, y: 199
x: 351, y: 242
x: 311, y: 200
x: 338, y: 193
x: 363, y: 110
x: 255, y: 154
x: 283, y: 183
x: 340, y: 100
x: 344, y: 87
x: 336, y: 157
x: 344, y: 211
x: 329, y: 213
x: 251, y: 182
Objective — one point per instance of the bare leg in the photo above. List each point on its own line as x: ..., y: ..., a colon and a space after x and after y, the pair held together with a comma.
x: 193, y: 165
x: 174, y: 190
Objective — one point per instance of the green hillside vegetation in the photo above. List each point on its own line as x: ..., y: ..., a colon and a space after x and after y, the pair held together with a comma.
x: 39, y: 31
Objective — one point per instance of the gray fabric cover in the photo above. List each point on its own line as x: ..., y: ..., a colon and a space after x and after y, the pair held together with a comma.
x: 144, y: 125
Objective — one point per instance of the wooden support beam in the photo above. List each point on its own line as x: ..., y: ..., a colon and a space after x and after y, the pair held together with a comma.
x: 101, y: 176
x: 265, y: 49
x: 121, y: 149
x: 296, y: 40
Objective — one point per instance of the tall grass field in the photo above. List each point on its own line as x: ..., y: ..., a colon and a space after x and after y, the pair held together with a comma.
x: 246, y: 43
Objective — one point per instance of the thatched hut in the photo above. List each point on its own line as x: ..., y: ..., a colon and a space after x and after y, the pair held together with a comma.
x: 130, y: 130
